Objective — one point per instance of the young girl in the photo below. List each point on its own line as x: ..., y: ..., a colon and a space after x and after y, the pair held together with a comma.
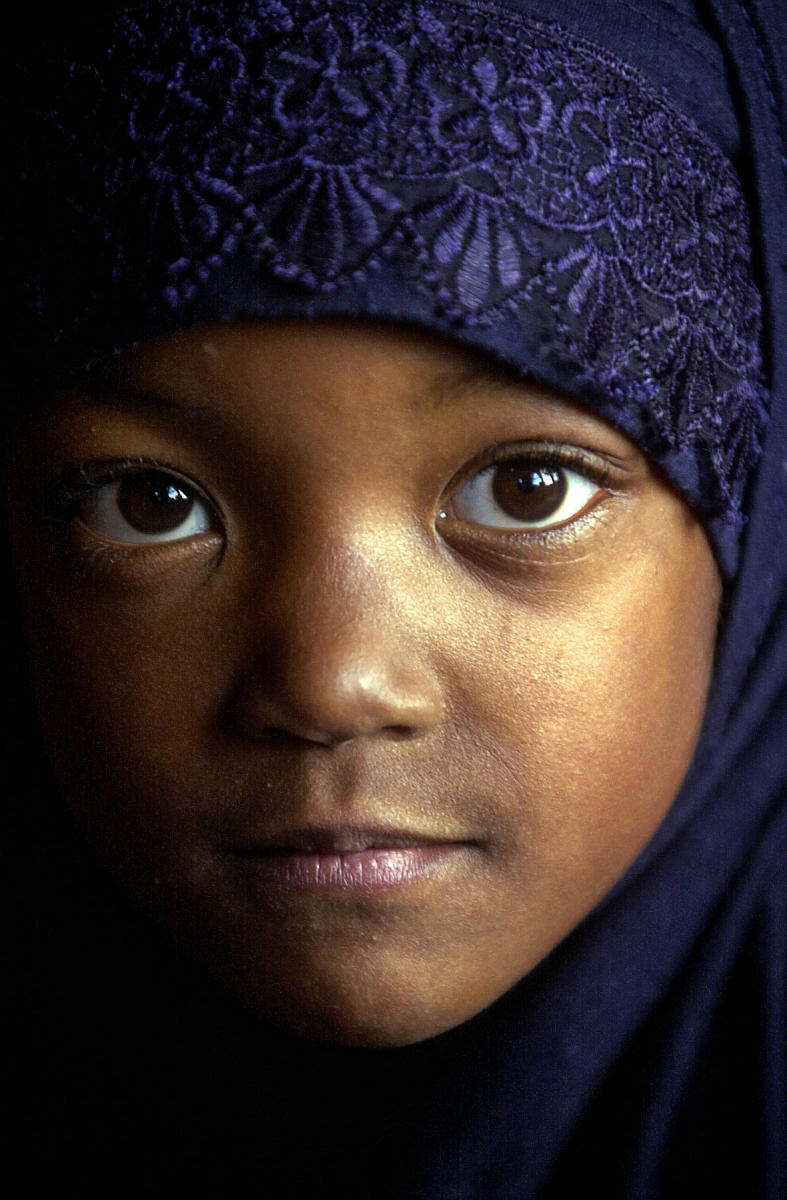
x: 394, y: 489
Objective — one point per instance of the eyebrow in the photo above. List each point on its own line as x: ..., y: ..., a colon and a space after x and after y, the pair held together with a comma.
x: 137, y: 399
x: 483, y: 375
x: 164, y: 409
x: 453, y: 387
x: 447, y: 388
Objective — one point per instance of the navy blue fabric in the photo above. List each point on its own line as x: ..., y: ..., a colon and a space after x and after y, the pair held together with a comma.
x: 646, y: 1056
x: 664, y: 40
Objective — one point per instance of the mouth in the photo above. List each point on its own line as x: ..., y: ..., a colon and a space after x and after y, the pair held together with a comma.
x: 348, y: 859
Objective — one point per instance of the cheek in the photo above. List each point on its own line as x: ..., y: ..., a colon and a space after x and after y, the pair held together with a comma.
x: 126, y: 685
x: 595, y: 716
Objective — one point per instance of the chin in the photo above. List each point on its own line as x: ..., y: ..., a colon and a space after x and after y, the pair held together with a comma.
x: 371, y: 1026
x: 365, y: 1003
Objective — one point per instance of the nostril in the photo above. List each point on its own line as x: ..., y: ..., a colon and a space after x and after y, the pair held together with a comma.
x: 270, y: 706
x: 395, y: 733
x: 335, y: 682
x: 400, y: 733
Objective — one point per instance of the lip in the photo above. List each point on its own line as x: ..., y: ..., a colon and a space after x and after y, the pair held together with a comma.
x: 347, y: 860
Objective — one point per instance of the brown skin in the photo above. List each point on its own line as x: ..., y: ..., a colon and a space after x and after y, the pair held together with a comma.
x: 330, y: 651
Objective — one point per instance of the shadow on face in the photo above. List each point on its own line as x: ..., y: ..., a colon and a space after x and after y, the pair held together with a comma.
x: 365, y: 666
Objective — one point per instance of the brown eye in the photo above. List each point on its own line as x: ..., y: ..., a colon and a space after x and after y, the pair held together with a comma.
x: 153, y: 502
x: 522, y: 494
x: 529, y: 493
x: 146, y: 506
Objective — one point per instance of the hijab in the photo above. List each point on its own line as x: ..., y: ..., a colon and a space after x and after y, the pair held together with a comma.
x: 646, y: 1054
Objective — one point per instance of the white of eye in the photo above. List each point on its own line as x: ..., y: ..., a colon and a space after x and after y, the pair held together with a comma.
x: 522, y: 494
x: 144, y: 507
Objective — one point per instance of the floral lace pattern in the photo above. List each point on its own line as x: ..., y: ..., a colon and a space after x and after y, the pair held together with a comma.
x: 512, y: 170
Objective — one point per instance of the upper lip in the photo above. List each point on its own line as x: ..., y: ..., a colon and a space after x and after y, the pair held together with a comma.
x: 342, y: 840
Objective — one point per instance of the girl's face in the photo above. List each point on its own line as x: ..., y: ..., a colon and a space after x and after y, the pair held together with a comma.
x: 366, y: 667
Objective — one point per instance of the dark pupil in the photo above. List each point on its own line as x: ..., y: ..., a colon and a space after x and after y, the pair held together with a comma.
x: 527, y: 493
x: 153, y: 502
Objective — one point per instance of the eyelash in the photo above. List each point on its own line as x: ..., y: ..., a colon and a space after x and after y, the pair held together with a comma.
x: 546, y: 454
x: 62, y: 495
x: 77, y: 484
x: 538, y: 456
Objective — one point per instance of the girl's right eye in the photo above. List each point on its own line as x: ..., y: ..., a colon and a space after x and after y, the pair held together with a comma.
x: 140, y: 507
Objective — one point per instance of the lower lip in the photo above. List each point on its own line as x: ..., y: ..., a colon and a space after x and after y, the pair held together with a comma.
x: 363, y: 871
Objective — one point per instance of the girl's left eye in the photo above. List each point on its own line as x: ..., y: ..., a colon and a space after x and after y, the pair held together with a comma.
x: 144, y: 506
x: 522, y: 493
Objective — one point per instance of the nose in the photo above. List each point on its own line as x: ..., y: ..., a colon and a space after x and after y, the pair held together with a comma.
x: 337, y: 658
